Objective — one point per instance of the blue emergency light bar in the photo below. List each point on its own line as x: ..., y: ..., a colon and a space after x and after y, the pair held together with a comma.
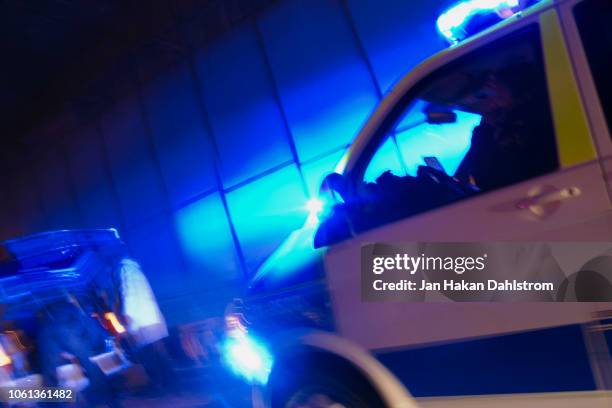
x: 42, y: 267
x: 452, y: 24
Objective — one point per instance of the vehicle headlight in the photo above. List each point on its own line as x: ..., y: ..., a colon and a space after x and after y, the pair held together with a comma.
x: 244, y: 354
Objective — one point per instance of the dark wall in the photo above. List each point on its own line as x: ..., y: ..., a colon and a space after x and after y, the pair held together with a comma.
x: 203, y: 152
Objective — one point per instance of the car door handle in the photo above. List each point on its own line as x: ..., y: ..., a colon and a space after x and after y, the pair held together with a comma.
x: 550, y: 196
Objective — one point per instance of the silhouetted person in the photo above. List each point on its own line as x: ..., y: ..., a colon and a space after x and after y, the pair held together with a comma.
x: 514, y: 138
x: 66, y: 335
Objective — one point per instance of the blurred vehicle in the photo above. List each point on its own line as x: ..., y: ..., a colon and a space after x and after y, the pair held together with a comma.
x: 85, y: 304
x: 504, y: 136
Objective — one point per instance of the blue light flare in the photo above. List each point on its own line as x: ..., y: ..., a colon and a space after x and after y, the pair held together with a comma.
x: 315, y: 207
x: 247, y: 357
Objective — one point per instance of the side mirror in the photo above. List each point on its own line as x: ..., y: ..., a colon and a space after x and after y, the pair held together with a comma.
x: 437, y: 114
x: 441, y: 117
x: 335, y: 187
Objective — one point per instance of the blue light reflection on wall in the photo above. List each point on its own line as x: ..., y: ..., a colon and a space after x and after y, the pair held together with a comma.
x: 92, y: 190
x: 324, y: 84
x: 181, y: 143
x: 205, y: 237
x: 265, y: 211
x: 151, y: 244
x: 246, y: 119
x: 396, y: 34
x: 326, y: 91
x: 135, y: 176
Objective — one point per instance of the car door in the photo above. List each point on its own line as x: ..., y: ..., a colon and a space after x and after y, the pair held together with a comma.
x: 589, y: 38
x: 519, y: 89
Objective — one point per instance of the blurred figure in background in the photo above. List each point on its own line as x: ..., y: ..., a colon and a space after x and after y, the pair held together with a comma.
x: 127, y: 309
x: 512, y: 130
x: 69, y: 335
x: 90, y: 302
x: 135, y: 303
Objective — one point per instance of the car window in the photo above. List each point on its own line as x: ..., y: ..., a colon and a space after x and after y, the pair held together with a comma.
x: 478, y: 124
x: 499, y: 101
x: 593, y: 19
x: 413, y: 139
x: 448, y: 143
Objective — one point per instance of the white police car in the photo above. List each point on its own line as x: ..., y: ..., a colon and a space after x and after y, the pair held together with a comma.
x: 504, y: 136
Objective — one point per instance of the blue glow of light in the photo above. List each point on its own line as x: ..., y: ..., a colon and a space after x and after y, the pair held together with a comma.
x: 212, y: 260
x: 315, y: 207
x: 248, y: 358
x: 223, y: 77
x: 451, y: 23
x: 296, y: 255
x: 185, y: 161
x: 386, y: 158
x: 265, y: 212
x: 449, y: 143
x: 327, y: 91
x: 315, y: 172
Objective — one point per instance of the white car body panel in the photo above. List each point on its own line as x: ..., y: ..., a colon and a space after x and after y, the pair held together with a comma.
x: 493, y: 216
